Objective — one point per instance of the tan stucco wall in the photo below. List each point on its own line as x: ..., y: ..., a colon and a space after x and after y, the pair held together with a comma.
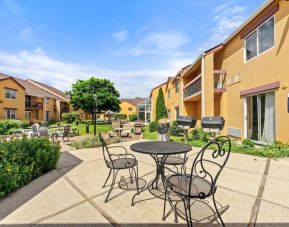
x: 175, y: 99
x: 124, y: 108
x: 18, y: 103
x: 271, y: 66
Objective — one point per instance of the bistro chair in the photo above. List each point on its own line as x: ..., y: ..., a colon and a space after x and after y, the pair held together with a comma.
x: 116, y: 162
x: 43, y: 131
x: 35, y: 131
x: 201, y: 182
x: 65, y: 133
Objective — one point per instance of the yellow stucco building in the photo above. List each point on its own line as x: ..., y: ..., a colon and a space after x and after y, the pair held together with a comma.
x: 245, y: 79
x: 30, y: 100
x: 129, y: 106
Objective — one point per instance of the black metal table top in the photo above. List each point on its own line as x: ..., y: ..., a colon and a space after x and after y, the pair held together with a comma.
x: 160, y: 147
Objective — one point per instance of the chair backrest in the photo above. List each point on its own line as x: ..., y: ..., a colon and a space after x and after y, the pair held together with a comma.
x: 43, y: 131
x: 127, y: 126
x: 210, y: 162
x: 115, y: 124
x: 66, y: 130
x: 35, y: 128
x: 106, y: 154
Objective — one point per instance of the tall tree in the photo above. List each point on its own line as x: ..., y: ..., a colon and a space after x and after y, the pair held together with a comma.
x: 86, y: 93
x: 161, y: 110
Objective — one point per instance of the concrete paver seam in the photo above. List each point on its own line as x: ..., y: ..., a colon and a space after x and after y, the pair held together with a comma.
x: 255, y: 210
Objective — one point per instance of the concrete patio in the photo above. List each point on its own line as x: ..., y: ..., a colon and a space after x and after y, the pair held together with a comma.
x: 251, y: 190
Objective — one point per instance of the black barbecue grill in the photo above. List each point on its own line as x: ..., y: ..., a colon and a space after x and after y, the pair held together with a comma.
x: 213, y: 124
x: 186, y: 122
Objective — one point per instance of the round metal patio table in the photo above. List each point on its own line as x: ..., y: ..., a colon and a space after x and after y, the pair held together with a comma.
x: 158, y: 150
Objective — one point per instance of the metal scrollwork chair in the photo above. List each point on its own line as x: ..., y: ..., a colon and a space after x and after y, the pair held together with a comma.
x: 201, y: 182
x: 116, y: 162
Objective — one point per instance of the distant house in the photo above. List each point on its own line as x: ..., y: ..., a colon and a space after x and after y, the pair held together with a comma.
x: 134, y: 106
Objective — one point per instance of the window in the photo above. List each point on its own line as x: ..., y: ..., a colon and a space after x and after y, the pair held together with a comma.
x: 10, y: 93
x: 130, y: 109
x: 28, y: 115
x: 169, y: 93
x: 47, y: 100
x: 10, y: 114
x: 177, y: 86
x: 260, y: 40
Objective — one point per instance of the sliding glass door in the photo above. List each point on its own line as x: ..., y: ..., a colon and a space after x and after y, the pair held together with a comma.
x: 261, y: 117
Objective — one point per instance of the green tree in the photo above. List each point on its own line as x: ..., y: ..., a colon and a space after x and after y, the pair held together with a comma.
x: 161, y: 110
x: 84, y: 93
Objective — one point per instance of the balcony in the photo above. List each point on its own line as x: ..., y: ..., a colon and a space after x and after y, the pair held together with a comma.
x: 64, y: 109
x: 32, y: 105
x: 193, y: 88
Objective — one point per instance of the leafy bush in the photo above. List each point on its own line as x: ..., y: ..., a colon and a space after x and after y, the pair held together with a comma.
x: 25, y: 124
x: 70, y: 117
x: 119, y: 116
x: 247, y: 143
x: 7, y: 125
x: 175, y: 130
x: 199, y: 134
x: 86, y: 143
x: 91, y: 142
x: 86, y: 122
x: 23, y: 160
x: 153, y: 126
x: 132, y: 117
x: 44, y: 123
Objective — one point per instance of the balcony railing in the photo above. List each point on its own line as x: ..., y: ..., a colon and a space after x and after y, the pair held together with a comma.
x: 33, y: 105
x: 194, y: 87
x: 64, y: 108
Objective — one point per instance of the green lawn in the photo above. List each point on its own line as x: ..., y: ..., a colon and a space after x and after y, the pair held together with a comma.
x: 154, y: 136
x: 103, y: 128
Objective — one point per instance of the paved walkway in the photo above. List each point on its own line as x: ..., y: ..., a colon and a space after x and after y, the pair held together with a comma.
x: 251, y: 190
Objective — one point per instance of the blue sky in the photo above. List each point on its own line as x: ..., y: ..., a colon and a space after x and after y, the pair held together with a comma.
x: 136, y: 44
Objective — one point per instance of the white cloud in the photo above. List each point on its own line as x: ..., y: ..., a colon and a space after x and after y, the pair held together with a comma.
x: 155, y: 43
x: 37, y: 65
x: 120, y: 36
x: 228, y: 18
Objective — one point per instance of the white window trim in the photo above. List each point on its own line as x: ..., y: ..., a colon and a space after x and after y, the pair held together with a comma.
x: 256, y: 30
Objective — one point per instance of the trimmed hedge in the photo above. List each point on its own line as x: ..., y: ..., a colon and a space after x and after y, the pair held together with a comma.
x: 132, y: 117
x: 23, y: 160
x: 119, y: 116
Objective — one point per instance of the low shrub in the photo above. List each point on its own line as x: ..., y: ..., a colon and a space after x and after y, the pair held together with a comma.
x: 70, y: 117
x: 44, y: 123
x: 176, y: 130
x: 119, y: 116
x: 199, y: 134
x: 153, y: 126
x: 247, y: 143
x: 23, y: 160
x: 86, y: 143
x: 92, y: 142
x: 132, y: 117
x: 25, y: 124
x: 7, y: 125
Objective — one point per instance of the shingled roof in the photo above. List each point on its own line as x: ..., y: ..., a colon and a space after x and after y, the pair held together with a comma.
x: 32, y: 89
x: 134, y: 101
